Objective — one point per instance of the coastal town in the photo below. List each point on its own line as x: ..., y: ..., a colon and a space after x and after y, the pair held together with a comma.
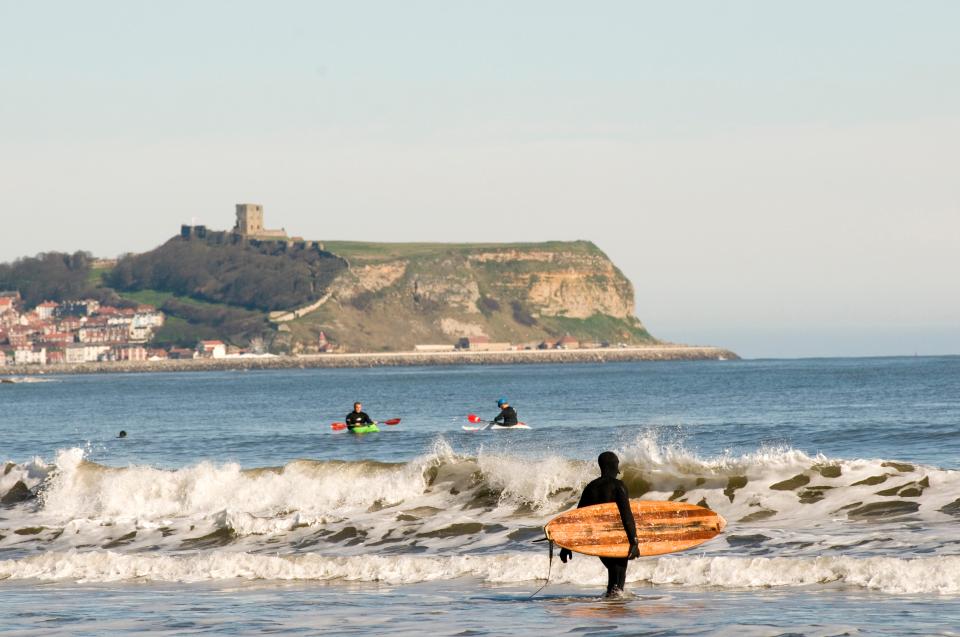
x: 79, y: 331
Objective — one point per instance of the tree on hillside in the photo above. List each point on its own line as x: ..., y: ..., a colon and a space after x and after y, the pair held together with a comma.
x: 54, y: 276
x: 265, y: 277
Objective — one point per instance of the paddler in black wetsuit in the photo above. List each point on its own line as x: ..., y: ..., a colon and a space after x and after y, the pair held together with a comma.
x: 357, y: 417
x: 607, y: 488
x: 507, y: 416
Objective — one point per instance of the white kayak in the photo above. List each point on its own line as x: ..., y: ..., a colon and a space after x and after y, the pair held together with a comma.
x: 487, y: 427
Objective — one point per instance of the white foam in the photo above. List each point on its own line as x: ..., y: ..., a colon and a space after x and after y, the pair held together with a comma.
x: 934, y: 575
x: 82, y: 490
x: 95, y: 505
x: 533, y: 482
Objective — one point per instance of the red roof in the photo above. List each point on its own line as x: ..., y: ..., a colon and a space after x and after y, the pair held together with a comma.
x: 567, y: 340
x: 49, y: 304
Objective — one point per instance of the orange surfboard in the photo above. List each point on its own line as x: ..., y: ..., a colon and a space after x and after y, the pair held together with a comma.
x: 662, y: 527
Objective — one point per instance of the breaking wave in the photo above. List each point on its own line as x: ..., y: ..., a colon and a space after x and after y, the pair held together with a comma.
x: 933, y: 575
x: 805, y: 519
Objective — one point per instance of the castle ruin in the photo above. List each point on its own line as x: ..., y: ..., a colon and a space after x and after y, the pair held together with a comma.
x: 247, y: 229
x: 250, y: 223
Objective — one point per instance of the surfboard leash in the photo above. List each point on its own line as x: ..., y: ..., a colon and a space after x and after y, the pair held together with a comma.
x: 549, y: 566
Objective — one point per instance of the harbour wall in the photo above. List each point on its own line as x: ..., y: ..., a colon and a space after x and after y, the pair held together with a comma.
x: 385, y: 359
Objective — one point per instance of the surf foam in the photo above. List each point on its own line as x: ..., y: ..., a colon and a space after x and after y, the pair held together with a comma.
x: 934, y: 575
x: 776, y: 501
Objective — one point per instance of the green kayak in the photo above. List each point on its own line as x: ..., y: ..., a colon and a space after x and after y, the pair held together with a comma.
x: 365, y: 429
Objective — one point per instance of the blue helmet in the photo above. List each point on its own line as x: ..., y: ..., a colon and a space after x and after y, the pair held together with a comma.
x: 502, y: 401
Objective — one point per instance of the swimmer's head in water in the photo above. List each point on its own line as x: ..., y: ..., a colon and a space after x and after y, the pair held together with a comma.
x: 122, y: 434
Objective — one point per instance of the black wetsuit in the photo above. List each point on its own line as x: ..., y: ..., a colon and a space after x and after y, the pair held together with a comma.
x: 507, y: 417
x: 607, y: 488
x: 357, y: 418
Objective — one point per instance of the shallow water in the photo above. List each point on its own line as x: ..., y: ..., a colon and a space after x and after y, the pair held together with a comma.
x: 461, y: 608
x: 232, y: 506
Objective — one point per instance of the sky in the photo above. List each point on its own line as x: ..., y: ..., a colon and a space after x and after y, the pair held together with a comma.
x: 779, y: 178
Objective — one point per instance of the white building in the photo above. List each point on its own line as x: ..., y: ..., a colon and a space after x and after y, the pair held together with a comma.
x: 30, y: 356
x: 46, y: 310
x: 147, y: 317
x: 211, y: 349
x: 84, y: 352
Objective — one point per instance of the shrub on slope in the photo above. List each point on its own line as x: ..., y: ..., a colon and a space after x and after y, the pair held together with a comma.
x: 264, y: 277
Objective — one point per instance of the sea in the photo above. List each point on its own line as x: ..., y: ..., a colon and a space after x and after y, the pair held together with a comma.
x: 232, y: 506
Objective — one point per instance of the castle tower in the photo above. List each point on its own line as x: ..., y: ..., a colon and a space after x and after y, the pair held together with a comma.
x: 250, y: 224
x: 249, y: 219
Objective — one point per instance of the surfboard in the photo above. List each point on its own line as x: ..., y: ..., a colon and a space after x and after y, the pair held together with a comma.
x: 662, y: 527
x: 519, y: 425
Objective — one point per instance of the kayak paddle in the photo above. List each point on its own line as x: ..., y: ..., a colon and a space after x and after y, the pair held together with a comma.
x: 477, y: 420
x: 339, y: 426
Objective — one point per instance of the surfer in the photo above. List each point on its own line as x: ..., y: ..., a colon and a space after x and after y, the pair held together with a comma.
x: 607, y: 488
x: 507, y: 416
x: 357, y: 417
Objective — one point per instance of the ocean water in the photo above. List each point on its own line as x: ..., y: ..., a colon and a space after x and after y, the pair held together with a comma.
x: 232, y: 507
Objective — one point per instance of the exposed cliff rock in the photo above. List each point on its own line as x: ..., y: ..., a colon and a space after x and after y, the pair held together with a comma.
x: 394, y: 296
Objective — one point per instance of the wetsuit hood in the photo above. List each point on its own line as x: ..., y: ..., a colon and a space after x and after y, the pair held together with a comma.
x: 609, y: 464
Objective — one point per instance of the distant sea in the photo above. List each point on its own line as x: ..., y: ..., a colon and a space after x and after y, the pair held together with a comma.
x: 232, y: 507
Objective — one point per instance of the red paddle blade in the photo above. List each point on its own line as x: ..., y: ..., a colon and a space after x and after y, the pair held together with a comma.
x: 475, y: 418
x: 337, y: 426
x: 392, y: 421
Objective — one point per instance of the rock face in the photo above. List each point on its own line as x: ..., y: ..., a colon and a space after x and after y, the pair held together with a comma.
x: 17, y: 493
x: 395, y: 296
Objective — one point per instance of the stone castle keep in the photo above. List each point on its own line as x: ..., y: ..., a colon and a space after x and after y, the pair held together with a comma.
x: 250, y: 223
x: 248, y: 228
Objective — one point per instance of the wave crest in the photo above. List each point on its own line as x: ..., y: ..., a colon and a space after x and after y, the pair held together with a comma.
x: 931, y: 575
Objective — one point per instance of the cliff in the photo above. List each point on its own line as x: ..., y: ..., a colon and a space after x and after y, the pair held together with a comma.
x: 395, y: 296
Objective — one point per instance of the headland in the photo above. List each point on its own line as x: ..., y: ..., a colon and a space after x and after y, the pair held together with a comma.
x: 253, y: 297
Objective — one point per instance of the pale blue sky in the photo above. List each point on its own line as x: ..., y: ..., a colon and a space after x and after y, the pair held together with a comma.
x: 780, y: 178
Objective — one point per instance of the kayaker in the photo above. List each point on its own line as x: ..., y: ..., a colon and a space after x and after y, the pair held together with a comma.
x: 507, y: 416
x: 357, y: 417
x: 607, y: 488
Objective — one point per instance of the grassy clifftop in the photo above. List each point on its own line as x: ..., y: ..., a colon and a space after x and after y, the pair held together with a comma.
x: 373, y: 252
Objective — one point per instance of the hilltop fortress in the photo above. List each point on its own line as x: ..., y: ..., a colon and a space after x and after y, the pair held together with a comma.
x: 247, y: 229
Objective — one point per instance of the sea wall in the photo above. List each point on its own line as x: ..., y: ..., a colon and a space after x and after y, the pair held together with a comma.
x: 387, y: 359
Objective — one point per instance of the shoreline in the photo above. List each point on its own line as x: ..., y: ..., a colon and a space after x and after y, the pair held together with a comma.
x: 384, y: 359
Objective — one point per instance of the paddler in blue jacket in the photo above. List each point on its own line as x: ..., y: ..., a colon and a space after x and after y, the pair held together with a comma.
x: 507, y: 416
x: 607, y: 488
